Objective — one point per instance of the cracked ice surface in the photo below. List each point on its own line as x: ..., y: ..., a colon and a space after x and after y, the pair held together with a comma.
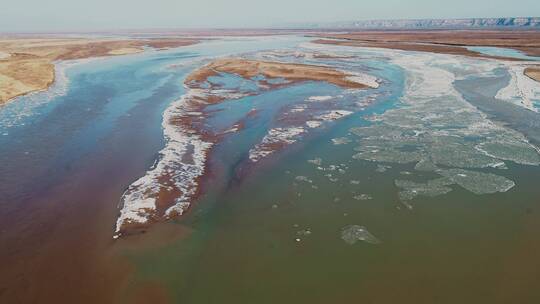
x: 440, y: 132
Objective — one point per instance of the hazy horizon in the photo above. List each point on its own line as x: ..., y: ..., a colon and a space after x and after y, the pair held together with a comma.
x: 65, y: 15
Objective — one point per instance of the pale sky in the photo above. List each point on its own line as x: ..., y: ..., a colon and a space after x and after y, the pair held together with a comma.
x: 75, y: 15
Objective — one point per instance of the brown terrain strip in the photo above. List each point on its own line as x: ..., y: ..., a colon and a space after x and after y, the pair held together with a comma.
x: 289, y: 71
x: 442, y: 49
x: 533, y: 73
x: 440, y: 41
x: 29, y: 64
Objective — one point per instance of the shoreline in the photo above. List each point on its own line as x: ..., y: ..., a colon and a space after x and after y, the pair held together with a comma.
x: 44, y: 88
x: 524, y: 41
x: 37, y: 58
x: 415, y: 47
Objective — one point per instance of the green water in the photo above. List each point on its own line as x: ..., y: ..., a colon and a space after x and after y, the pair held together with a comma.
x: 457, y: 247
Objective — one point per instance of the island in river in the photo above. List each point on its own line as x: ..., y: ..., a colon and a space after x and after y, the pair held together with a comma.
x: 168, y: 189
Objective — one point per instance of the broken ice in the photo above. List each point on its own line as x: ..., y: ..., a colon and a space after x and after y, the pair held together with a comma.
x: 354, y: 233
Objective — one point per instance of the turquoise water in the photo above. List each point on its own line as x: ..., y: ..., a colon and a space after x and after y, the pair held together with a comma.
x: 503, y: 52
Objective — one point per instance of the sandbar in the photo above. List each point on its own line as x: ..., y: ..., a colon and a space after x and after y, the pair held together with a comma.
x: 289, y: 71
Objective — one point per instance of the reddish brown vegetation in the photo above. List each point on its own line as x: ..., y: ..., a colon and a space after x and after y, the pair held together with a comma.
x: 440, y: 41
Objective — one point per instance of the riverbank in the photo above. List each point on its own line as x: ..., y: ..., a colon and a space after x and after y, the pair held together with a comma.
x: 440, y: 41
x: 27, y: 64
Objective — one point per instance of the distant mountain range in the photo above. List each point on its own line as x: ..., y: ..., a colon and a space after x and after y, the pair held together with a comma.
x: 510, y: 22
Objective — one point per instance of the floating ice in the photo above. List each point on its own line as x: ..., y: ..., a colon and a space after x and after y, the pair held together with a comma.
x: 298, y: 109
x: 334, y: 115
x: 341, y: 141
x: 478, y: 182
x: 303, y: 179
x: 313, y: 124
x: 435, y: 128
x: 354, y: 233
x: 382, y: 168
x: 319, y: 98
x: 304, y: 232
x: 517, y: 151
x: 431, y: 188
x: 388, y: 155
x: 275, y: 138
x: 363, y: 197
x: 316, y: 161
x: 456, y: 152
x: 425, y: 165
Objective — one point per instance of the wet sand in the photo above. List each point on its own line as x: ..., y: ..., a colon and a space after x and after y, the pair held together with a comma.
x: 533, y: 73
x: 29, y: 66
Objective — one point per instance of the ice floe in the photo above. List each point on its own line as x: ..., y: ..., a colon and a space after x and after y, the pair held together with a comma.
x: 478, y: 182
x: 438, y: 131
x: 341, y: 140
x: 316, y: 161
x: 275, y: 138
x: 432, y: 188
x: 363, y: 197
x: 319, y: 98
x: 354, y: 233
x: 302, y: 178
x: 313, y: 123
x: 333, y: 115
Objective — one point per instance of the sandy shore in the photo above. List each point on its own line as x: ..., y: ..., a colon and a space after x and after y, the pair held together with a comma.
x: 533, y: 73
x: 26, y: 64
